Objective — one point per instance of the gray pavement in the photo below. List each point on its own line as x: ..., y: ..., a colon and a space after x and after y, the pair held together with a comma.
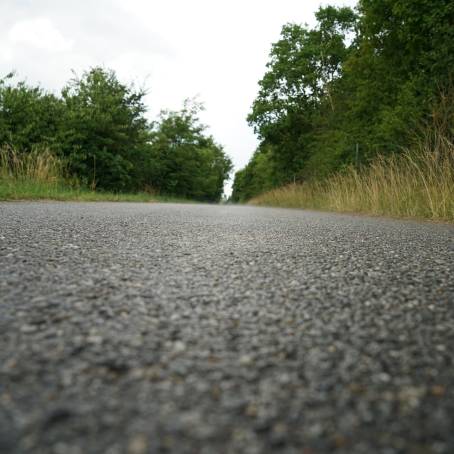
x: 149, y: 328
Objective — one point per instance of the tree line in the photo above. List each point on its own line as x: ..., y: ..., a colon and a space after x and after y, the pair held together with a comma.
x: 98, y: 126
x: 360, y: 82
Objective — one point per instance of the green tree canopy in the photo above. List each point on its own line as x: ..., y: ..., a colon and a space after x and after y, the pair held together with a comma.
x: 188, y: 162
x: 28, y: 115
x: 303, y: 67
x: 104, y: 128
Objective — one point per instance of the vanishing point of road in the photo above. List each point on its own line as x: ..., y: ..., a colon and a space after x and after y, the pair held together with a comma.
x: 149, y: 328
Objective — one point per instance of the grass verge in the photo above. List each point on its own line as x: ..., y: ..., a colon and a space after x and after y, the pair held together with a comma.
x: 29, y: 190
x: 39, y: 176
x: 418, y: 183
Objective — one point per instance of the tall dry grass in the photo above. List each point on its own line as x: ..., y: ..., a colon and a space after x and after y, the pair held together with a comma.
x: 39, y: 166
x: 38, y: 174
x: 418, y: 183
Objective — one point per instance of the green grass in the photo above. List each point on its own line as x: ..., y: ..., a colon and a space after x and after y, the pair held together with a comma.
x: 32, y: 190
x: 418, y: 183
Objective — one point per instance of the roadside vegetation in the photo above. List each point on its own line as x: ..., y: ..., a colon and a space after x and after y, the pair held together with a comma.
x: 93, y: 141
x: 417, y: 183
x: 357, y: 113
x: 40, y: 175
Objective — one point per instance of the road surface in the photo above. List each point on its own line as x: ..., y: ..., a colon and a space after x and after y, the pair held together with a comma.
x: 149, y: 328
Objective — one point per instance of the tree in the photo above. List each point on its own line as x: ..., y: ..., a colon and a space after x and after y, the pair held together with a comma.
x: 29, y: 116
x: 184, y: 160
x: 258, y: 176
x: 303, y: 66
x: 105, y: 130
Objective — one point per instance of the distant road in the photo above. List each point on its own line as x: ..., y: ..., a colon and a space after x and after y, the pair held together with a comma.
x: 146, y: 328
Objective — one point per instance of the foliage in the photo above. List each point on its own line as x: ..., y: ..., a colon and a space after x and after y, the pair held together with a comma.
x: 187, y: 162
x: 356, y: 85
x: 303, y: 66
x: 104, y: 129
x: 28, y: 115
x: 259, y: 175
x: 98, y: 127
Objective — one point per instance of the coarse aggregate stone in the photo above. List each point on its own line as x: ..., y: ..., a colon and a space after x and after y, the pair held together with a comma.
x: 149, y: 328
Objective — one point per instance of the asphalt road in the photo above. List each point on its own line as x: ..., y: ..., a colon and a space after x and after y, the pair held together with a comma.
x: 149, y: 328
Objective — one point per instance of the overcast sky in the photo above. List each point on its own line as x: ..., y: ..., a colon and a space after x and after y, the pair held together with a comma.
x: 213, y: 49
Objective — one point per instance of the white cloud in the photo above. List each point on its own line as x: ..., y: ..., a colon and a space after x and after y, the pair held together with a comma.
x: 39, y: 33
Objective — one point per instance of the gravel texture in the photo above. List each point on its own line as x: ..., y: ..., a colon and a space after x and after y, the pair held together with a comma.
x: 149, y: 328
